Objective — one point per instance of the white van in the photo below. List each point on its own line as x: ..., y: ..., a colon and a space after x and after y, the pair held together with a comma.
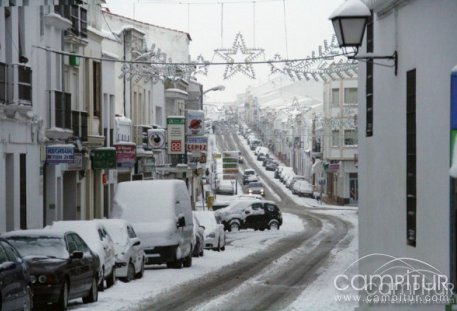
x: 161, y: 214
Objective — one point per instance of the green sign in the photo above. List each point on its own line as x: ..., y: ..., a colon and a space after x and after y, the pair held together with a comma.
x: 104, y: 159
x: 177, y: 120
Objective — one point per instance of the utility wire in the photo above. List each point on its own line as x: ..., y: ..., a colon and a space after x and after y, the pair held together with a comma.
x: 184, y: 63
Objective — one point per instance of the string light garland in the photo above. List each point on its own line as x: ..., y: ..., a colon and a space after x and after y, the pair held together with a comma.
x: 329, y: 63
x: 239, y: 51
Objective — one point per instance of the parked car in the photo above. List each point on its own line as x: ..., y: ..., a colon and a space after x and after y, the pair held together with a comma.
x: 254, y: 214
x: 256, y: 187
x: 271, y: 166
x: 199, y: 238
x: 284, y: 172
x: 61, y: 264
x: 99, y: 241
x: 303, y: 188
x: 294, y: 179
x: 226, y: 186
x: 127, y: 247
x: 247, y: 174
x: 15, y: 281
x: 161, y: 214
x: 214, y: 231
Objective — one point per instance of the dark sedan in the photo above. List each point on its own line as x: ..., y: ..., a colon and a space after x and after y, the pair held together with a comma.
x: 15, y: 284
x: 61, y: 265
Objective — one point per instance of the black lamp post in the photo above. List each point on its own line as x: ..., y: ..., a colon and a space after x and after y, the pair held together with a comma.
x: 349, y: 21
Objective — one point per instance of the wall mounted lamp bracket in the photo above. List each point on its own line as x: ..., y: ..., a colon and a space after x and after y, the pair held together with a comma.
x: 393, y: 57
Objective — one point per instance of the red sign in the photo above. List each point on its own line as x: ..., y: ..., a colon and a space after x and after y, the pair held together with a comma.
x: 125, y: 155
x: 176, y: 145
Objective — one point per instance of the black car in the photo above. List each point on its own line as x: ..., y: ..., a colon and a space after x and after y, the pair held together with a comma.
x: 271, y: 166
x: 61, y: 265
x: 251, y: 214
x: 15, y: 282
x: 247, y: 175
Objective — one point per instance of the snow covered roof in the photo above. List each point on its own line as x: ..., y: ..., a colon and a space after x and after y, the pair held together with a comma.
x: 140, y: 22
x: 36, y: 232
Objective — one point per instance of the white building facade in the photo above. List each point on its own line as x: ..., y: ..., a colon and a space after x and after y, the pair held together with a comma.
x: 404, y: 192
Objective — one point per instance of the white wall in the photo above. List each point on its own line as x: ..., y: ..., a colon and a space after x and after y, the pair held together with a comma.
x: 424, y: 40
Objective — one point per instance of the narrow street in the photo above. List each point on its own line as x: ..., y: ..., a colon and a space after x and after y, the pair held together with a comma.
x: 274, y: 282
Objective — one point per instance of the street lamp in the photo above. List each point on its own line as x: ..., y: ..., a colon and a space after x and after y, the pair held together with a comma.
x: 349, y: 21
x: 216, y: 88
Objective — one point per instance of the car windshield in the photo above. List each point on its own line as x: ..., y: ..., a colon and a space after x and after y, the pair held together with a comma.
x: 255, y: 185
x: 118, y: 233
x: 40, y: 246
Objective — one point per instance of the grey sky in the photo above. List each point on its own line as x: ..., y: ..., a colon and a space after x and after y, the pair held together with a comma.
x: 213, y: 26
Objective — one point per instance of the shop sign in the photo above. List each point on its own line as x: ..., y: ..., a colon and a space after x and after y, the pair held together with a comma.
x: 77, y: 164
x: 57, y: 154
x: 333, y: 167
x: 146, y: 165
x: 176, y: 135
x: 104, y: 158
x: 125, y: 155
x: 195, y: 122
x: 197, y: 143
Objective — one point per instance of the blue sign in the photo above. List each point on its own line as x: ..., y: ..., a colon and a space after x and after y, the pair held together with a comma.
x: 58, y: 154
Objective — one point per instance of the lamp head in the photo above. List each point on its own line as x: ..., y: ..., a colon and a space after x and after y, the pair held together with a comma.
x: 349, y: 21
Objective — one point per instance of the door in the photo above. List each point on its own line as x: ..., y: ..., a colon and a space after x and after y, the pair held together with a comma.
x: 12, y: 278
x: 353, y: 188
x: 137, y: 248
x: 255, y: 215
x: 86, y: 264
x: 74, y: 268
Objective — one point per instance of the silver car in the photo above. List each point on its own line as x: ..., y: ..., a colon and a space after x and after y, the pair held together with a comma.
x: 214, y: 231
x: 128, y: 249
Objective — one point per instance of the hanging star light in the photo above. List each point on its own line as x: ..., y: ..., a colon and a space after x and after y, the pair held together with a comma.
x: 327, y: 65
x: 201, y: 66
x: 239, y: 58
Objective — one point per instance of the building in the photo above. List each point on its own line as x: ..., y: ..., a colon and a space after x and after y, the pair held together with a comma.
x: 406, y: 197
x: 339, y: 141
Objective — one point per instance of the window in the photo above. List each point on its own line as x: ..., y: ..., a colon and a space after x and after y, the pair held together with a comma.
x: 3, y: 257
x: 10, y: 252
x: 335, y: 138
x: 350, y: 96
x: 96, y: 80
x: 63, y: 110
x: 411, y: 185
x: 131, y: 232
x: 3, y: 83
x: 369, y: 81
x: 25, y: 83
x: 23, y: 190
x: 335, y: 100
x: 350, y: 137
x: 83, y: 22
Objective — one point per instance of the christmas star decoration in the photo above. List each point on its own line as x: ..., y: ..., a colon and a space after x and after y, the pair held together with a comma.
x: 201, y: 66
x: 239, y: 58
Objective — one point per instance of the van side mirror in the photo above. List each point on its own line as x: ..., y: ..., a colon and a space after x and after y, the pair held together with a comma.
x: 137, y: 243
x: 76, y: 255
x: 181, y: 222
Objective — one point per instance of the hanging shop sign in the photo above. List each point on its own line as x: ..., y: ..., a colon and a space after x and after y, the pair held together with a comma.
x: 125, y: 155
x: 156, y: 138
x: 230, y: 160
x: 176, y: 134
x: 146, y: 165
x: 57, y: 154
x: 77, y: 164
x: 197, y: 143
x: 195, y: 122
x: 103, y: 158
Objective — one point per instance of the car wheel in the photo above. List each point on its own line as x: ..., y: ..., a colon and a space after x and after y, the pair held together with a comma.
x: 140, y: 274
x: 111, y: 279
x: 62, y: 304
x: 201, y: 252
x: 176, y: 264
x: 92, y: 296
x: 101, y: 285
x: 187, y: 262
x: 274, y: 225
x: 130, y: 273
x: 234, y: 226
x: 28, y: 303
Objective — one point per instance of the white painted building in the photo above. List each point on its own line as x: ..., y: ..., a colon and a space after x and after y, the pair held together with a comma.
x: 404, y: 153
x: 339, y: 143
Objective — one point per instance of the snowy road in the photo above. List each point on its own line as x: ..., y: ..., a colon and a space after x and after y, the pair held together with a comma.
x: 290, y: 269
